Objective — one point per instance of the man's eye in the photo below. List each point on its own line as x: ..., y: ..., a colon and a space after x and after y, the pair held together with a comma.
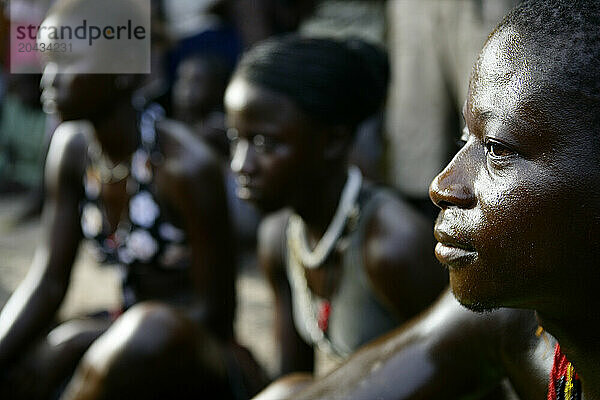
x: 497, y: 150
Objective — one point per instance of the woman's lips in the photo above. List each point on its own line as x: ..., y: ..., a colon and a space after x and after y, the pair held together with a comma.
x: 246, y: 187
x: 452, y: 252
x: 246, y: 192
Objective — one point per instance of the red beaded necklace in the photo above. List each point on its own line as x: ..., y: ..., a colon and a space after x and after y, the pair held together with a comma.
x: 564, y: 381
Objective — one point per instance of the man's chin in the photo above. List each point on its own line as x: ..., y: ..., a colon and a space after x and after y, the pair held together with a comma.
x: 478, y: 306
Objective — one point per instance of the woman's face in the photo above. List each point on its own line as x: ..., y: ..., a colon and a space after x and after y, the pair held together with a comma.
x: 275, y: 150
x: 76, y: 96
x: 519, y: 202
x: 66, y: 87
x: 196, y: 92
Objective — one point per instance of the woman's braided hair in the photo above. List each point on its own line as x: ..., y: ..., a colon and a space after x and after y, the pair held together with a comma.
x: 332, y: 81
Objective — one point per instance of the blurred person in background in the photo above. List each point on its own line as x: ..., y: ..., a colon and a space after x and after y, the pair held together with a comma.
x: 151, y: 199
x: 193, y: 27
x: 198, y: 101
x: 198, y: 92
x: 347, y: 260
x: 363, y: 19
x: 224, y: 28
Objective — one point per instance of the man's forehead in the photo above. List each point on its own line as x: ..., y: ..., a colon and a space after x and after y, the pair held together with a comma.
x: 502, y: 75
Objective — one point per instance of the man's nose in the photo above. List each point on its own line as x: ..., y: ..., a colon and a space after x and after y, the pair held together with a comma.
x: 454, y: 185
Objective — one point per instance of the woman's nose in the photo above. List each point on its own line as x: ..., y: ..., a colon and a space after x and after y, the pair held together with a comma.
x: 242, y: 160
x: 49, y: 75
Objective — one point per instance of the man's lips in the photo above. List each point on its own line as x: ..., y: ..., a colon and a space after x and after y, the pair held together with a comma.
x: 452, y: 251
x: 451, y: 241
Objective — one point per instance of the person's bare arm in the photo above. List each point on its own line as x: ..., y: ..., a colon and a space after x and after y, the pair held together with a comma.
x: 34, y: 303
x: 293, y: 352
x: 447, y: 353
x: 195, y: 185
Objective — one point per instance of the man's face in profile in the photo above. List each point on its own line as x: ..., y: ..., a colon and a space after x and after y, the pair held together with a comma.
x: 518, y: 200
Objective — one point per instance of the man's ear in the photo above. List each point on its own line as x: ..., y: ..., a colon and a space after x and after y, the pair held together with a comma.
x: 337, y: 143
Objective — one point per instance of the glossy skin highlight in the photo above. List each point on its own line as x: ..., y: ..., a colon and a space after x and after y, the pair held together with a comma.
x: 448, y: 352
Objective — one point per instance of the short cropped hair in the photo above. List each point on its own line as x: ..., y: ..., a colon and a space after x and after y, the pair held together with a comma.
x: 562, y: 41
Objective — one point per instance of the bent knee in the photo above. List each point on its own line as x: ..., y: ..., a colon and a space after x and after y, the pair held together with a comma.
x: 150, y: 343
x: 149, y: 330
x: 76, y: 335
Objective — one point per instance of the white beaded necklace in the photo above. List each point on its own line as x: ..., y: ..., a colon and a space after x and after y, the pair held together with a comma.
x: 296, y: 229
x: 314, y: 309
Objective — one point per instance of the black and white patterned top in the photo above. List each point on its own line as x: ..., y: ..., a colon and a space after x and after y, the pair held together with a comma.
x: 143, y: 235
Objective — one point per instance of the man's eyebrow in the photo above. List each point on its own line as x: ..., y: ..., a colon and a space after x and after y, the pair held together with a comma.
x: 480, y: 114
x: 489, y: 114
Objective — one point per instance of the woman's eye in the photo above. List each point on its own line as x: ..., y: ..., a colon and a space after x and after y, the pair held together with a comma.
x: 263, y: 144
x: 259, y: 143
x: 232, y: 134
x: 497, y: 150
